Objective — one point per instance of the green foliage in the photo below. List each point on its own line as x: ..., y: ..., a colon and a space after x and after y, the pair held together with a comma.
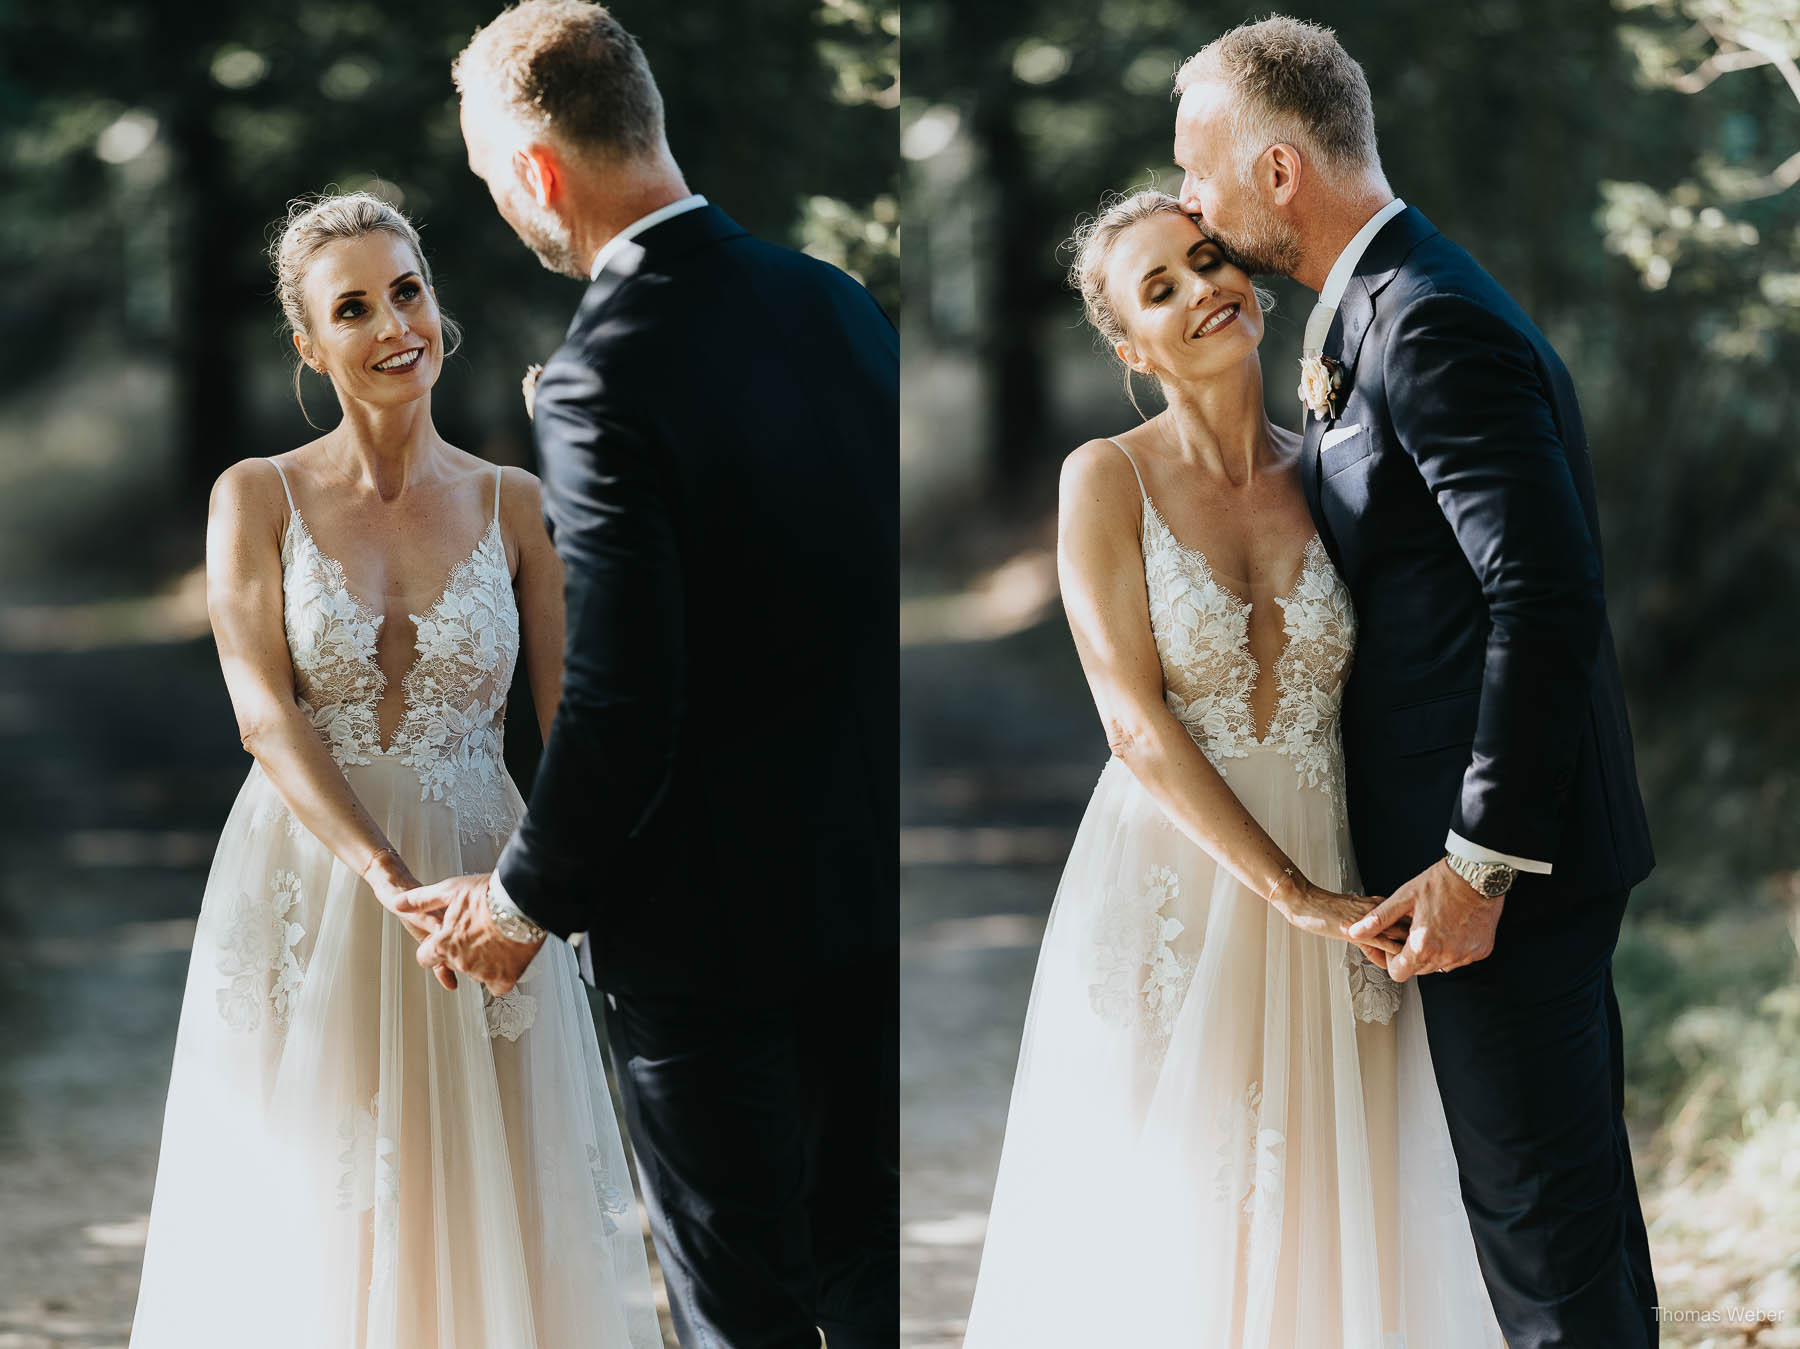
x: 1724, y: 230
x: 146, y: 150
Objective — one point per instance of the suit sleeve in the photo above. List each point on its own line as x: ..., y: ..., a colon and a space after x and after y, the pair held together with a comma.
x: 1470, y: 403
x: 607, y: 760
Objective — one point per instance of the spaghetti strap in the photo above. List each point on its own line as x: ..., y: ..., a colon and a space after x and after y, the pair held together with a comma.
x: 497, y: 471
x: 284, y: 487
x: 1134, y: 468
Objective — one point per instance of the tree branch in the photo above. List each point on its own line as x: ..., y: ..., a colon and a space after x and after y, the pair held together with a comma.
x: 1719, y: 63
x: 1772, y: 184
x: 1774, y: 51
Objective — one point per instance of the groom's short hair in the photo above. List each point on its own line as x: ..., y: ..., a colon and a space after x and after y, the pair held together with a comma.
x: 1293, y: 82
x: 567, y: 67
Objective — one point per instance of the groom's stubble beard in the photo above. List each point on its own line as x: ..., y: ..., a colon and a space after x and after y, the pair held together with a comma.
x: 1265, y: 246
x: 548, y: 239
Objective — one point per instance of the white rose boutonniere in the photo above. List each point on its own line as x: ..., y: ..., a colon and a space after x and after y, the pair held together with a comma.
x: 1320, y: 380
x: 528, y: 386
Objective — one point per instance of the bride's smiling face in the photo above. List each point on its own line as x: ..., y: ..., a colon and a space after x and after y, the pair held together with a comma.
x: 368, y: 311
x: 1187, y: 312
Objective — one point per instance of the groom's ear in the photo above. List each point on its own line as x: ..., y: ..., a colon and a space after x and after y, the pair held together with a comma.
x: 1283, y: 165
x: 538, y: 170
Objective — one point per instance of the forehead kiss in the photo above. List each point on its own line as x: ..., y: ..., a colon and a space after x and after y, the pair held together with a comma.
x: 1157, y: 249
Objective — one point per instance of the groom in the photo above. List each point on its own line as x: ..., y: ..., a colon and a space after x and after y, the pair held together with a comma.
x: 1492, y: 796
x: 714, y: 816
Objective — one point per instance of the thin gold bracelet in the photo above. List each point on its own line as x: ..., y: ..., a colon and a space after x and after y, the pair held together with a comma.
x: 1289, y: 870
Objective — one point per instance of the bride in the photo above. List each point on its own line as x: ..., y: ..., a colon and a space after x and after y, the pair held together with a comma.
x: 354, y: 1155
x: 1224, y: 1130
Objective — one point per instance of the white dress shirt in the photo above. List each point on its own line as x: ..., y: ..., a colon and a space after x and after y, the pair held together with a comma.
x: 638, y: 226
x: 1319, y: 322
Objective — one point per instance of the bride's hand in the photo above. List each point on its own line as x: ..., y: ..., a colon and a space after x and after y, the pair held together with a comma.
x: 1326, y: 913
x: 389, y: 877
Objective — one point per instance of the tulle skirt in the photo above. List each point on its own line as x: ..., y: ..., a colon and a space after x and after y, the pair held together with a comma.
x: 354, y: 1157
x: 1224, y: 1133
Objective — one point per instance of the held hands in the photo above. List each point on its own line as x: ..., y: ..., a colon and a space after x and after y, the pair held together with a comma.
x: 1326, y: 913
x: 1452, y: 924
x: 390, y: 878
x: 465, y: 935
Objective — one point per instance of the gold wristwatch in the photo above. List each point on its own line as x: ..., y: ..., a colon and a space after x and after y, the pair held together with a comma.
x: 508, y: 918
x: 1490, y: 880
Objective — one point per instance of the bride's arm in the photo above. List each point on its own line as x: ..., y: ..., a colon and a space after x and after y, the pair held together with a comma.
x: 244, y: 602
x: 538, y: 590
x: 1100, y: 566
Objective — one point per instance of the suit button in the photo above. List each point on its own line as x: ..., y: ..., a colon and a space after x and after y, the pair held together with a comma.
x: 1561, y: 781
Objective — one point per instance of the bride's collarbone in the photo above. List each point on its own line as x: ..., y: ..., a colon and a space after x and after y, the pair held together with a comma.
x: 1257, y: 558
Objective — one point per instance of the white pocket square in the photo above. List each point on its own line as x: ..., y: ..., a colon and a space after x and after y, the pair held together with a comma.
x: 1338, y: 433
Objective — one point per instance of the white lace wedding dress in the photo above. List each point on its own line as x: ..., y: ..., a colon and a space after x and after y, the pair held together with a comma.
x: 354, y: 1157
x: 1224, y: 1133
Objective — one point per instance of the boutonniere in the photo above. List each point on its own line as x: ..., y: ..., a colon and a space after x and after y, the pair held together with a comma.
x: 528, y: 387
x: 1321, y: 379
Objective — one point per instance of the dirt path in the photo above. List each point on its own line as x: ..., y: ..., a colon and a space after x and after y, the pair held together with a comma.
x: 118, y: 766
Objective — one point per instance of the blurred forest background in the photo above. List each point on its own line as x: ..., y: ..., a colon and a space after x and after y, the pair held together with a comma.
x: 145, y: 151
x: 1627, y: 170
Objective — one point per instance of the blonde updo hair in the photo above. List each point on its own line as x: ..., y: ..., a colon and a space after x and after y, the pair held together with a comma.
x: 314, y: 222
x: 1092, y: 245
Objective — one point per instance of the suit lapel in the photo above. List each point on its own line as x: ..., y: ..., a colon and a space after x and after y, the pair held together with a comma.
x: 1378, y: 266
x: 1312, y: 431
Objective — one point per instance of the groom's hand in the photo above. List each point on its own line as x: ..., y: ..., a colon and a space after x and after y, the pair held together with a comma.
x: 466, y: 937
x: 1452, y: 924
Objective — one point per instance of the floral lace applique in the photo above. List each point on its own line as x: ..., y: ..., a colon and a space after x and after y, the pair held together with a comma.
x: 370, y: 1179
x: 1373, y: 995
x: 331, y: 635
x: 452, y: 726
x: 256, y: 952
x: 1202, y: 633
x: 276, y: 813
x: 1249, y: 1174
x: 1143, y: 978
x: 456, y: 691
x: 510, y: 1016
x: 1311, y: 670
x: 614, y: 1202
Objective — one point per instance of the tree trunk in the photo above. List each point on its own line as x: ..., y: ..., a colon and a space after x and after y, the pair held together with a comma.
x: 209, y: 396
x: 1012, y: 354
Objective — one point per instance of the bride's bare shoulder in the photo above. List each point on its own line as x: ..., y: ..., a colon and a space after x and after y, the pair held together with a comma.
x: 249, y: 491
x: 1098, y: 471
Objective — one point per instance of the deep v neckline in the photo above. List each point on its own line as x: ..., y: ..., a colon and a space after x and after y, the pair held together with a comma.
x: 1243, y: 605
x: 1260, y: 736
x: 377, y: 619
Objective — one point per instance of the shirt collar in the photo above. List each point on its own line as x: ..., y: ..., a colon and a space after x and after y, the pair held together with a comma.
x: 1345, y: 266
x: 638, y: 226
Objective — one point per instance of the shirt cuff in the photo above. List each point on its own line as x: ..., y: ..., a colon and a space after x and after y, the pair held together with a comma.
x: 501, y: 902
x: 1474, y: 852
x: 498, y: 899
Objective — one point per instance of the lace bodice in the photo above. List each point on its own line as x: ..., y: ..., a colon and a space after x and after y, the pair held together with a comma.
x: 455, y: 691
x: 1202, y: 633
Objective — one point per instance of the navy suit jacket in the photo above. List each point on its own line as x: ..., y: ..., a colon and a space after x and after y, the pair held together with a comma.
x: 1460, y: 511
x: 716, y: 807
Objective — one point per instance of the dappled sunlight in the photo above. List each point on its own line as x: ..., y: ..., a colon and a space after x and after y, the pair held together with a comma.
x: 987, y: 932
x: 1014, y: 596
x: 177, y: 613
x: 984, y: 845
